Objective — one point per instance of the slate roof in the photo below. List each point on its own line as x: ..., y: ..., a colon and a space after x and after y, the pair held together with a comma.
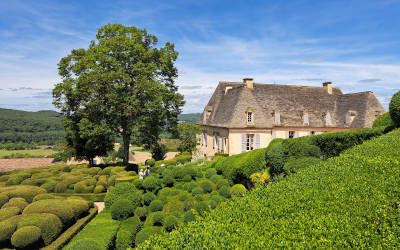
x: 228, y: 108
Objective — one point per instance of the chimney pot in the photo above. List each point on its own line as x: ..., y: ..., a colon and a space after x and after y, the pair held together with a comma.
x: 328, y: 87
x: 248, y: 81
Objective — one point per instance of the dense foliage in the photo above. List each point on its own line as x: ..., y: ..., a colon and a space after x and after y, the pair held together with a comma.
x: 383, y: 121
x: 350, y: 201
x: 42, y: 127
x: 394, y: 109
x: 187, y: 134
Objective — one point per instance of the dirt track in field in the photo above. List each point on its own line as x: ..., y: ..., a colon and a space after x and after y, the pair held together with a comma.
x: 23, y: 163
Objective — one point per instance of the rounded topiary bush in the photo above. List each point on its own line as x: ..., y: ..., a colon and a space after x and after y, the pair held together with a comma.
x: 155, y: 219
x: 202, y: 207
x: 383, y: 121
x: 124, y: 191
x: 84, y: 245
x: 156, y: 205
x: 174, y: 207
x: 197, y: 190
x: 188, y: 216
x: 8, y: 212
x: 145, y: 233
x: 25, y: 236
x: 16, y: 202
x: 394, y: 109
x: 238, y: 190
x: 49, y: 186
x: 225, y: 191
x: 122, y: 209
x: 58, y: 207
x: 50, y: 225
x: 3, y: 199
x: 26, y: 192
x: 206, y: 185
x: 148, y: 197
x: 141, y: 213
x: 79, y: 206
x: 43, y: 197
x: 99, y: 189
x: 8, y: 227
x: 210, y: 172
x: 170, y: 223
x: 152, y: 183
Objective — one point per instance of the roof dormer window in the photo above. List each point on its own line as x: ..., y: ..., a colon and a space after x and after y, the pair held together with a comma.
x: 249, y: 116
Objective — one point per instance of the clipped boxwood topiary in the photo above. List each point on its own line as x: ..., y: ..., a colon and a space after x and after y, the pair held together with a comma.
x: 84, y: 245
x: 127, y: 233
x: 156, y: 205
x: 170, y: 223
x: 122, y: 209
x: 238, y: 190
x: 26, y: 192
x: 124, y: 191
x: 79, y: 206
x: 8, y: 227
x: 3, y: 199
x: 16, y: 202
x: 295, y: 164
x: 383, y: 121
x: 50, y: 225
x: 145, y: 233
x: 58, y: 207
x: 148, y: 197
x: 155, y: 219
x: 8, y: 212
x: 197, y: 190
x: 152, y: 183
x: 206, y: 185
x: 25, y: 236
x: 394, y: 109
x: 141, y: 213
x: 99, y: 189
x: 43, y: 197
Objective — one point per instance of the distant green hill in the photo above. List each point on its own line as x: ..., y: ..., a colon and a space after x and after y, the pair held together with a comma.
x: 192, y: 117
x: 41, y: 127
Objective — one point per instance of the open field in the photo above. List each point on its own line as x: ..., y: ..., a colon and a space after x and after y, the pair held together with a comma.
x: 22, y: 163
x: 29, y: 153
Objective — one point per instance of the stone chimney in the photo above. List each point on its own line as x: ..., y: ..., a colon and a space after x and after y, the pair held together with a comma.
x: 328, y: 87
x: 248, y: 82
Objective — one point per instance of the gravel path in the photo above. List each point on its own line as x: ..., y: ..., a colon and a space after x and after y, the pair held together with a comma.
x: 13, y: 164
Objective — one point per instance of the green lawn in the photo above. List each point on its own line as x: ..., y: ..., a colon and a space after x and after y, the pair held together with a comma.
x: 34, y: 153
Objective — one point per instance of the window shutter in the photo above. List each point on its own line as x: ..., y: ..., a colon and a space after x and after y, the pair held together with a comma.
x: 244, y: 142
x: 257, y: 140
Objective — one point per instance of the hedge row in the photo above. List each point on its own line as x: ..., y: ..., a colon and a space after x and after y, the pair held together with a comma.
x: 100, y: 232
x: 350, y: 201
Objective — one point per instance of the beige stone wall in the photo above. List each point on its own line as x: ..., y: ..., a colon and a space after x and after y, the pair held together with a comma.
x: 235, y: 139
x: 209, y: 148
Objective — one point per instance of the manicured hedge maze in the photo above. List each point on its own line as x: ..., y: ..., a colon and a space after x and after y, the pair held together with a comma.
x: 31, y: 218
x: 349, y: 201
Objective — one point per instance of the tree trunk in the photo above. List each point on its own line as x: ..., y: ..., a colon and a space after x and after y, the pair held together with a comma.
x: 126, y: 140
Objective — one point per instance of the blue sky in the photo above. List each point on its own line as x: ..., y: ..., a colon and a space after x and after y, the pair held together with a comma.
x: 354, y: 44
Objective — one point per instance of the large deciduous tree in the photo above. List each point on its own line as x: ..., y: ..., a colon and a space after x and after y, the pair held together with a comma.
x: 122, y: 82
x: 187, y: 135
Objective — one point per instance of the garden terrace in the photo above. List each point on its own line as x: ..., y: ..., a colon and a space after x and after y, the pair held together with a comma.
x: 349, y: 201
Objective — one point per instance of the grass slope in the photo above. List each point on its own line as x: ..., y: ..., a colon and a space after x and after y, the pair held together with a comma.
x: 349, y: 201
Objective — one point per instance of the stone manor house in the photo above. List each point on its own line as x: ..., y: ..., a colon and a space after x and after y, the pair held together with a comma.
x: 243, y: 116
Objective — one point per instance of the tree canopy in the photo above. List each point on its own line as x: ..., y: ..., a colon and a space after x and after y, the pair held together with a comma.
x: 121, y: 84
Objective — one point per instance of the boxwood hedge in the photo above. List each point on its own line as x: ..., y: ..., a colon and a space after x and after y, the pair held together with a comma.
x: 25, y: 236
x: 349, y: 201
x: 50, y: 225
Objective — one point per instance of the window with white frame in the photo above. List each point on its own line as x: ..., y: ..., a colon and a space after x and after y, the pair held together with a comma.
x: 250, y: 119
x: 249, y: 142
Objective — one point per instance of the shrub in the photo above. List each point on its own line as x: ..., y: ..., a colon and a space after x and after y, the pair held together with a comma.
x: 79, y: 206
x: 8, y: 227
x: 300, y: 147
x: 49, y: 224
x: 261, y: 178
x: 202, y: 207
x: 150, y: 162
x: 127, y: 233
x: 15, y: 180
x: 8, y: 212
x: 49, y: 186
x: 225, y: 191
x: 141, y: 213
x: 25, y: 236
x: 206, y: 185
x: 82, y: 187
x: 58, y: 207
x: 101, y: 230
x: 238, y: 190
x: 43, y: 197
x: 197, y: 190
x: 145, y: 233
x: 99, y: 189
x: 189, y: 216
x: 151, y: 183
x: 295, y: 164
x: 148, y: 197
x: 26, y: 192
x: 126, y: 191
x: 170, y: 222
x: 383, y: 121
x: 394, y: 109
x: 238, y: 168
x: 155, y: 219
x: 275, y: 157
x: 122, y: 209
x: 16, y: 202
x: 84, y: 245
x: 156, y: 205
x: 3, y: 199
x: 210, y: 172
